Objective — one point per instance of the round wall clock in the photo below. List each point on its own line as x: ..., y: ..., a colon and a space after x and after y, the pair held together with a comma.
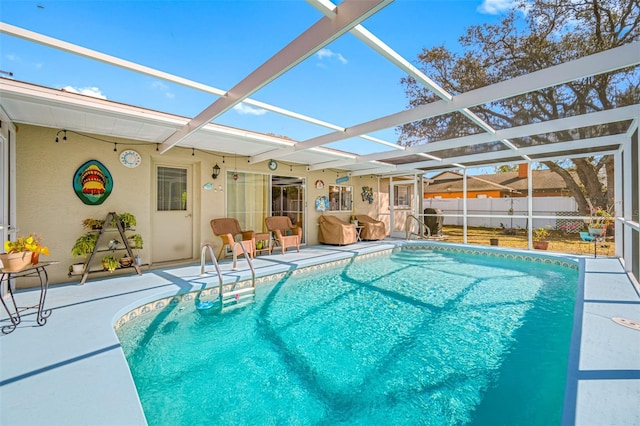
x: 130, y: 158
x: 273, y: 165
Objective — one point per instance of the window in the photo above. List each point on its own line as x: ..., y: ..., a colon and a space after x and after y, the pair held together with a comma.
x: 172, y: 189
x: 401, y: 196
x: 340, y: 198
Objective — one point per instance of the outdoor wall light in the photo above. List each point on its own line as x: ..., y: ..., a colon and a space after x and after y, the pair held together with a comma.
x: 216, y: 171
x: 64, y: 138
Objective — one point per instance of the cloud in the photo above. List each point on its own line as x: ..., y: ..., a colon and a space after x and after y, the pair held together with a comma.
x: 89, y: 91
x: 326, y: 53
x: 159, y: 85
x: 494, y: 7
x: 243, y: 109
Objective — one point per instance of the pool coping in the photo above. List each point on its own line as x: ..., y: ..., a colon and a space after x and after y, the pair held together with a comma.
x: 73, y: 371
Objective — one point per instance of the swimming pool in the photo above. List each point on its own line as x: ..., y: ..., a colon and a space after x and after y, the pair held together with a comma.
x: 417, y: 336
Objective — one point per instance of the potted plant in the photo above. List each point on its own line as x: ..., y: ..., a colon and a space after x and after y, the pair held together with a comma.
x: 110, y: 263
x: 540, y: 238
x: 84, y: 245
x: 136, y: 243
x: 125, y: 261
x: 127, y: 220
x: 599, y: 219
x: 22, y: 252
x: 494, y: 239
x: 93, y: 224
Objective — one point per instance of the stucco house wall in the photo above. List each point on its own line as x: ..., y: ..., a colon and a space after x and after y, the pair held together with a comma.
x: 47, y: 205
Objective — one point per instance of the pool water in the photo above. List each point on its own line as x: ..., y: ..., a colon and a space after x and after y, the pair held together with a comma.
x: 415, y: 337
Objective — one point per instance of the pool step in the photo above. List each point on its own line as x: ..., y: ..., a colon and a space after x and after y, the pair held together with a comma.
x: 237, y: 298
x: 416, y: 256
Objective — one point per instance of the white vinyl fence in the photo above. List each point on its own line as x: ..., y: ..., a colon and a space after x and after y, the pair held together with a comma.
x: 508, y: 208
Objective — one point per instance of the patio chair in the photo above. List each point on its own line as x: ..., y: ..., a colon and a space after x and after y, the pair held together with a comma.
x: 227, y: 229
x: 281, y: 226
x: 335, y: 231
x: 371, y: 229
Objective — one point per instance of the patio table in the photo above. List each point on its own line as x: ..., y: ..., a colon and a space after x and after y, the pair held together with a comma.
x: 13, y: 311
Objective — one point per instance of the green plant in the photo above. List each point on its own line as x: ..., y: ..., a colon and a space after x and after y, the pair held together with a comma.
x: 90, y: 223
x: 136, y: 239
x: 127, y: 219
x: 110, y: 263
x: 84, y: 245
x: 540, y: 234
x: 31, y: 242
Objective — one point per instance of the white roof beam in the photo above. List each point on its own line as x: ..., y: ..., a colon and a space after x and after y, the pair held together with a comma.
x: 548, y: 148
x: 609, y: 60
x: 592, y: 119
x: 399, y: 61
x: 349, y: 14
x: 141, y: 69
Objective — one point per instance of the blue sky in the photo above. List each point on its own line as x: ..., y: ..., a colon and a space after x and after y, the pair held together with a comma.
x: 218, y: 43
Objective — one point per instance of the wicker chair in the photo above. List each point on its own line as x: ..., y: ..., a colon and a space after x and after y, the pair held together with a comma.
x: 227, y: 228
x: 280, y: 225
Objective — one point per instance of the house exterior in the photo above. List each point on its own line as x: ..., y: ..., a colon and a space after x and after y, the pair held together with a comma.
x: 449, y: 184
x: 46, y: 203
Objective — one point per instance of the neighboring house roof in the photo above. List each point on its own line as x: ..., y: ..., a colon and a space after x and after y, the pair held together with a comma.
x: 543, y: 181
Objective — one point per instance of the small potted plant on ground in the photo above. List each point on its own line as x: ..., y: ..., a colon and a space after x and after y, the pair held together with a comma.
x: 540, y: 238
x: 494, y: 239
x: 599, y: 220
x: 110, y: 263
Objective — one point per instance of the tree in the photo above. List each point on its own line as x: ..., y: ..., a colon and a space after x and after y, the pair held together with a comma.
x: 532, y: 36
x: 505, y: 169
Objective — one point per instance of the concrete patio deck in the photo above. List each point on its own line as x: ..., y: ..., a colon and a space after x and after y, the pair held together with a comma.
x: 72, y: 371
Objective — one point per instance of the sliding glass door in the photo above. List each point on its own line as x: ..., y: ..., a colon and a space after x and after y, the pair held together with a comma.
x: 288, y: 199
x: 248, y: 199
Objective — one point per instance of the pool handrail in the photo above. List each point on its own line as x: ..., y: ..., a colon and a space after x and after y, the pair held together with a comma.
x: 249, y: 261
x: 421, y: 223
x: 207, y: 247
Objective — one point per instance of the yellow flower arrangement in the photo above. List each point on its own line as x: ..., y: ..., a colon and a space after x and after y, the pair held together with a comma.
x: 599, y: 217
x: 30, y: 243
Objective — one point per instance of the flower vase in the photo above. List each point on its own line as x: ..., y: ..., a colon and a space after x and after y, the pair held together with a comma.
x: 35, y: 258
x: 14, y: 262
x: 596, y: 231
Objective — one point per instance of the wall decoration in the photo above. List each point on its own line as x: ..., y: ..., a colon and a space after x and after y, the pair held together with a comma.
x: 322, y: 203
x: 130, y: 158
x: 319, y: 184
x: 343, y: 179
x: 273, y: 165
x: 92, y: 183
x: 367, y: 194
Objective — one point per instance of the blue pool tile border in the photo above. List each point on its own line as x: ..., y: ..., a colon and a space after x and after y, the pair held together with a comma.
x: 213, y: 292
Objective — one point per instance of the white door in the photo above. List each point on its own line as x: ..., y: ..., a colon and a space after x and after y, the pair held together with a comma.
x: 402, y: 197
x: 172, y: 222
